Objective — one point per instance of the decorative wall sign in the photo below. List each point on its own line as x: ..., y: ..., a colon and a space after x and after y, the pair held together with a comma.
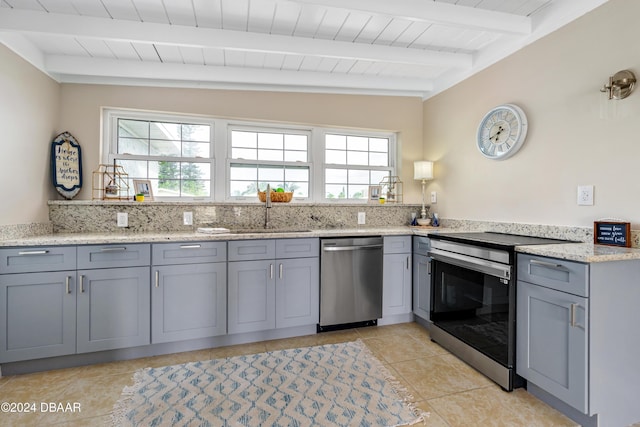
x: 612, y: 233
x: 66, y: 165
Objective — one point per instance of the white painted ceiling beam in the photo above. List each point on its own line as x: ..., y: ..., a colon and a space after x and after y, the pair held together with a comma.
x: 146, y: 32
x: 111, y: 68
x: 436, y: 12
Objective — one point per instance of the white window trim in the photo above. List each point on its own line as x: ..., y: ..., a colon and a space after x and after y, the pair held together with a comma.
x: 221, y: 149
x: 261, y: 127
x: 322, y: 132
x: 109, y: 147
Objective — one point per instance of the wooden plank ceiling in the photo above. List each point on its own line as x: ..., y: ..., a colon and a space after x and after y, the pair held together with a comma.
x: 394, y: 47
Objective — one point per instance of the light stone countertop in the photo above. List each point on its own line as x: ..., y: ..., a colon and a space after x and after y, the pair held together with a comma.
x: 581, y: 252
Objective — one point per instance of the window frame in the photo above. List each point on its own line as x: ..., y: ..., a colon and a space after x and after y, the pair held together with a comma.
x: 220, y: 152
x: 111, y: 137
x: 392, y: 160
x: 279, y: 129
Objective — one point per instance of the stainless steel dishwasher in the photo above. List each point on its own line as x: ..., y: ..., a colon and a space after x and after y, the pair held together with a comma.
x: 350, y: 281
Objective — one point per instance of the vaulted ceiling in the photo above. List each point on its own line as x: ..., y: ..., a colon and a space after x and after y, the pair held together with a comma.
x: 395, y: 47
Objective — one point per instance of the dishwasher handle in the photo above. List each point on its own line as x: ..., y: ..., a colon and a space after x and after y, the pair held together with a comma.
x: 349, y: 248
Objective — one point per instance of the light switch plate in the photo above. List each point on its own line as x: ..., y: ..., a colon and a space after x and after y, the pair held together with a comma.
x: 123, y: 219
x: 187, y: 218
x: 585, y: 195
x: 434, y: 197
x: 362, y: 218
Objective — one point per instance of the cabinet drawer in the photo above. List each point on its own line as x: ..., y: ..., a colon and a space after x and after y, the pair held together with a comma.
x: 189, y: 253
x: 397, y: 244
x: 107, y: 256
x: 35, y: 259
x: 297, y: 248
x: 250, y: 250
x: 565, y: 276
x: 421, y: 245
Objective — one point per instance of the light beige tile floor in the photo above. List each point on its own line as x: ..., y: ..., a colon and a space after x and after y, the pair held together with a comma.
x: 453, y: 393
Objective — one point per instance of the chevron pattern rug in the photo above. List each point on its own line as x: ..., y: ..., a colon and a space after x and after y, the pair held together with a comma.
x: 329, y: 385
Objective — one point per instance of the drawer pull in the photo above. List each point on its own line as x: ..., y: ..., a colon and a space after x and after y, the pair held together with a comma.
x: 547, y: 264
x: 281, y: 270
x: 157, y: 279
x: 33, y: 252
x: 190, y: 246
x: 66, y: 282
x: 118, y: 249
x: 81, y: 283
x: 270, y: 271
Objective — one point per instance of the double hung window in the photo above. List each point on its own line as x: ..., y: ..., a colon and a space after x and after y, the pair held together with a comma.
x: 174, y: 155
x: 196, y: 158
x: 353, y: 163
x: 268, y: 156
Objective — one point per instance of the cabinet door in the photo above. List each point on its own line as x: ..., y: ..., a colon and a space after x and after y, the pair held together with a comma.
x: 421, y: 286
x: 38, y: 315
x: 297, y: 292
x: 188, y: 302
x: 113, y: 308
x: 396, y: 284
x: 251, y: 300
x: 552, y: 342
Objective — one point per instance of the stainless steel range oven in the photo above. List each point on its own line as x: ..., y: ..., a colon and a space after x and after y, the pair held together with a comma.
x: 473, y: 299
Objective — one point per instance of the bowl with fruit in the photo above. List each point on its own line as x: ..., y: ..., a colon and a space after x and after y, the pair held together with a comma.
x: 277, y: 196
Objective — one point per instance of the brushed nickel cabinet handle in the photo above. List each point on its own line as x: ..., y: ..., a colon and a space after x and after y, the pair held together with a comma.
x: 157, y: 279
x: 281, y: 270
x: 407, y: 262
x: 117, y: 249
x: 33, y: 252
x: 271, y: 271
x: 190, y: 246
x: 81, y: 283
x: 67, y: 280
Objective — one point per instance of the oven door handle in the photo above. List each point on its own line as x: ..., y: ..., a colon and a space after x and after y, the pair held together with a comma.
x: 476, y: 264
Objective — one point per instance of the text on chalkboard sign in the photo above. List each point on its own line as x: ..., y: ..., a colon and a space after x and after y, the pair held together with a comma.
x: 612, y: 233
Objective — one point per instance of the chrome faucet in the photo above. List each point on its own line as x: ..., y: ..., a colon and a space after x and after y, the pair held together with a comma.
x: 267, y: 221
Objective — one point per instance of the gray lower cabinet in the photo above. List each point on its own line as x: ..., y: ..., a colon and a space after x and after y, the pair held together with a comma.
x: 113, y: 308
x: 396, y: 276
x: 37, y: 302
x: 188, y: 302
x: 113, y: 297
x: 421, y: 277
x: 267, y: 292
x: 552, y: 342
x: 189, y: 291
x: 297, y: 292
x: 38, y: 315
x: 251, y: 300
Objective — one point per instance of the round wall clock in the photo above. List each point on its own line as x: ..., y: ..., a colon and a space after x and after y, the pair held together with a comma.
x: 502, y: 132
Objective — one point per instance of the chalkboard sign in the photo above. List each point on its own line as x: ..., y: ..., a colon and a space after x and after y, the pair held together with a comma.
x: 612, y: 233
x: 66, y: 165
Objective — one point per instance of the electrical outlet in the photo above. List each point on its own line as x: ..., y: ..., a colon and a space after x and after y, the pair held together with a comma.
x: 362, y: 218
x: 187, y: 218
x: 585, y: 195
x: 122, y: 219
x: 434, y: 197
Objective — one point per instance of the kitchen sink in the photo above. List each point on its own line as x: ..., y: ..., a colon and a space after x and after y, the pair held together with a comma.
x: 271, y: 230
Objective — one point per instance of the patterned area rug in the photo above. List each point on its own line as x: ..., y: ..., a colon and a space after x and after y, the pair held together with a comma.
x: 329, y: 385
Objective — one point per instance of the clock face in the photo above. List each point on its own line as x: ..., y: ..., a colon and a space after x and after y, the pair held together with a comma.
x: 502, y: 132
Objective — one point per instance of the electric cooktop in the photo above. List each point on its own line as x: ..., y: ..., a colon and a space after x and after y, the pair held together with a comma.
x: 496, y: 239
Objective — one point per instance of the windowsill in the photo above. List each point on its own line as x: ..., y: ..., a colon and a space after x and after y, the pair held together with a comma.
x: 210, y: 203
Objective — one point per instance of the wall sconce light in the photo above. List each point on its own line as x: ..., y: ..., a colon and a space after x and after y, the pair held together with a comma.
x: 620, y: 85
x: 423, y: 170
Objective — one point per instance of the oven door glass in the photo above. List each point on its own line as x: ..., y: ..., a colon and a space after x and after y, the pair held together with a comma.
x: 476, y: 308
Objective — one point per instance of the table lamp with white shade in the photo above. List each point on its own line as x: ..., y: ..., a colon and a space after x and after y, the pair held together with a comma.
x: 423, y: 170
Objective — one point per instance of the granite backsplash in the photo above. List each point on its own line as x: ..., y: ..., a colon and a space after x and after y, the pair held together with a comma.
x: 100, y: 217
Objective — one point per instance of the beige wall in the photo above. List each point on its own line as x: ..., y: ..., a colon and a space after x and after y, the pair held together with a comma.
x: 80, y: 115
x: 556, y: 81
x: 29, y: 105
